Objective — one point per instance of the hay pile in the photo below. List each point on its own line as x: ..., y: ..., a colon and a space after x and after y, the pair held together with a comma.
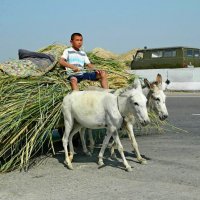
x: 127, y: 57
x: 124, y: 59
x: 102, y: 53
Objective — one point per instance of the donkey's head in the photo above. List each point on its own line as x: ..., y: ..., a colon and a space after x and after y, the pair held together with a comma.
x: 156, y: 97
x: 137, y: 102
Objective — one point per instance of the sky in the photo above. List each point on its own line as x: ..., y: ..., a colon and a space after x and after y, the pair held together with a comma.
x: 115, y: 25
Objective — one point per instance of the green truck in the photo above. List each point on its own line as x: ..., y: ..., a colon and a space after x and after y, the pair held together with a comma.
x: 168, y: 57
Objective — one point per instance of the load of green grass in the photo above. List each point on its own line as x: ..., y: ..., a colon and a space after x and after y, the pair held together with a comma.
x: 31, y: 108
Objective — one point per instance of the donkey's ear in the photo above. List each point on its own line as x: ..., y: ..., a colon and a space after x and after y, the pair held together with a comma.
x: 159, y: 79
x: 137, y: 84
x: 146, y: 82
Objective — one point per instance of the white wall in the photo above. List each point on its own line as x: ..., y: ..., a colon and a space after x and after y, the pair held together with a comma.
x: 180, y: 79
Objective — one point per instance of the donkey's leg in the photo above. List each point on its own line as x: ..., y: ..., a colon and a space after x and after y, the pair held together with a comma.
x: 113, y: 147
x: 131, y: 135
x: 75, y: 129
x: 82, y: 136
x: 68, y: 127
x: 112, y: 150
x: 104, y: 145
x: 120, y: 149
x: 92, y: 143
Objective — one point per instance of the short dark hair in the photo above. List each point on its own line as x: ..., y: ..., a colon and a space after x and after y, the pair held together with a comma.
x: 75, y: 34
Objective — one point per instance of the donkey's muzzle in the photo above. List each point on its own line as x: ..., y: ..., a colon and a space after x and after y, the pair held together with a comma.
x: 145, y: 122
x: 163, y: 117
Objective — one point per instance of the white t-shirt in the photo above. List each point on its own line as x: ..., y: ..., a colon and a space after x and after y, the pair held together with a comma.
x: 77, y: 58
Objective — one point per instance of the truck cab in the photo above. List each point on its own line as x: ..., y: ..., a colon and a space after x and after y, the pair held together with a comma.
x: 167, y: 57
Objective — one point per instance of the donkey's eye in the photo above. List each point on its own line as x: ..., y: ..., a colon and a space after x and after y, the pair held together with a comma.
x: 157, y: 99
x: 136, y: 104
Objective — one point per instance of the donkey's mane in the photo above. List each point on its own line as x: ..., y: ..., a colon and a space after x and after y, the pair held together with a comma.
x: 124, y: 89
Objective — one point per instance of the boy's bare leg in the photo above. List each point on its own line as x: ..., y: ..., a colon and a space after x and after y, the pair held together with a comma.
x: 74, y: 83
x: 103, y: 79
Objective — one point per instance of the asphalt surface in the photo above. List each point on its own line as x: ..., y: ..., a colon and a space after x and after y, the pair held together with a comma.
x: 172, y: 172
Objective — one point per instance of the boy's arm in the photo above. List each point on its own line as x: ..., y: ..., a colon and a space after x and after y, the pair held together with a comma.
x: 90, y: 66
x: 63, y: 63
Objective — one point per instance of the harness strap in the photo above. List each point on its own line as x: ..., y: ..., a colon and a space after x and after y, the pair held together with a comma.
x: 118, y: 103
x: 119, y: 108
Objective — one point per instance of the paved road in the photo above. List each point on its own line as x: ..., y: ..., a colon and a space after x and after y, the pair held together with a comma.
x: 172, y: 172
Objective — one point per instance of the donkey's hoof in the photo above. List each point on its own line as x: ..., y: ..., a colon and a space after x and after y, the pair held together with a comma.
x: 143, y: 161
x: 129, y: 169
x: 101, y: 163
x: 69, y: 166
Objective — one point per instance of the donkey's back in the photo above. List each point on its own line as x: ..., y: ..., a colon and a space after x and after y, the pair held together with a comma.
x: 92, y: 109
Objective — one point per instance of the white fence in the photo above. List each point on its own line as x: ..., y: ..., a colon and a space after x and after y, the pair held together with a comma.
x: 180, y: 79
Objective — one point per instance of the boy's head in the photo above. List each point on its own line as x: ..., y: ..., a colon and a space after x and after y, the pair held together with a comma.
x: 76, y: 40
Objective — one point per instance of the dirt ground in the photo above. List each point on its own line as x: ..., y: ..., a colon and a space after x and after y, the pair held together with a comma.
x: 172, y: 172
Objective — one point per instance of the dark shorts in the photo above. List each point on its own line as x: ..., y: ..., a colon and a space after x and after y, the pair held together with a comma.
x: 92, y: 76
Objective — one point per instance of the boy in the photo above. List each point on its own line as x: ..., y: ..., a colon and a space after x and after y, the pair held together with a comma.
x: 73, y: 59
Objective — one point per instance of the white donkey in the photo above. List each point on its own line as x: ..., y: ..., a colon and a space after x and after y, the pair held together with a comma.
x: 155, y: 102
x: 94, y: 110
x: 131, y: 104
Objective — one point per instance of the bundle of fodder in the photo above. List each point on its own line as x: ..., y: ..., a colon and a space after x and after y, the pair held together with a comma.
x: 31, y: 108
